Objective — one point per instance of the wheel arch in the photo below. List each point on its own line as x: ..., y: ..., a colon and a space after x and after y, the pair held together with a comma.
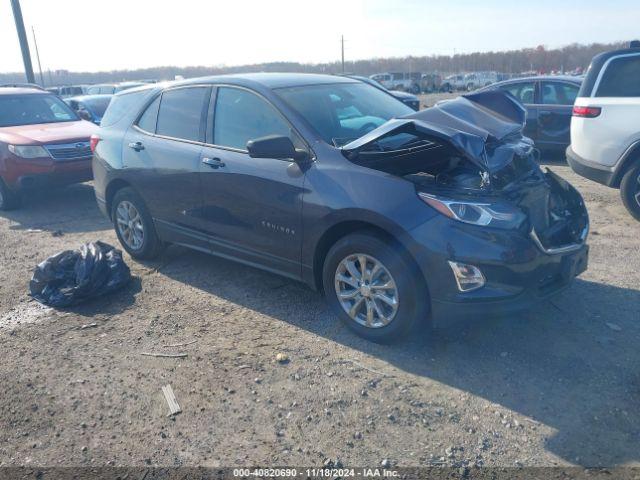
x: 347, y: 227
x: 112, y: 189
x: 630, y: 157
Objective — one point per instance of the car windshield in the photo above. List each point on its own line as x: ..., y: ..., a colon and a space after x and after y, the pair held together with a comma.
x: 343, y: 112
x: 98, y: 105
x: 33, y: 109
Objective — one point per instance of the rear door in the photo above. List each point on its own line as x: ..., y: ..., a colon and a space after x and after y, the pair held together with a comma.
x: 251, y: 206
x: 525, y: 91
x: 162, y: 159
x: 554, y: 113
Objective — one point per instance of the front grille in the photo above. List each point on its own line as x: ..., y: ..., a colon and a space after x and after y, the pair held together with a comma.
x: 69, y: 151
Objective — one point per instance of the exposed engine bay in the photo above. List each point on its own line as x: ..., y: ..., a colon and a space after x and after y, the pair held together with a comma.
x: 473, y: 147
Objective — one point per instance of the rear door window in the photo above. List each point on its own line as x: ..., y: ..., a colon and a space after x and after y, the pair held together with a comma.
x: 523, y: 91
x: 559, y: 93
x: 181, y: 113
x: 621, y: 78
x: 241, y: 116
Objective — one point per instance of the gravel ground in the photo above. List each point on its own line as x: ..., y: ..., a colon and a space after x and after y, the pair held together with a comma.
x: 558, y: 385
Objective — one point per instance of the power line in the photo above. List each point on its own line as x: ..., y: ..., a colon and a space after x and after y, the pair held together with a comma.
x: 35, y: 43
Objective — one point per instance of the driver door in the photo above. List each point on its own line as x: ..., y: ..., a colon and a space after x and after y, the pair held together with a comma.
x: 251, y: 207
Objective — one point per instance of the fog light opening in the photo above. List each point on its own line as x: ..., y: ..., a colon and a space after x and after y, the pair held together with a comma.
x: 467, y: 277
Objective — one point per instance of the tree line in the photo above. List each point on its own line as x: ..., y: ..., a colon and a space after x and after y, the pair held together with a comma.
x: 539, y: 59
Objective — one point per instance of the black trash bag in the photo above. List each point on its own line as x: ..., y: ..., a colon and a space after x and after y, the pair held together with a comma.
x: 73, y: 276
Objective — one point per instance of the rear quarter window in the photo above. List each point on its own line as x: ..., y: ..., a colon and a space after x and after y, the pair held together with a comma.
x: 121, y: 105
x: 181, y: 112
x: 621, y: 78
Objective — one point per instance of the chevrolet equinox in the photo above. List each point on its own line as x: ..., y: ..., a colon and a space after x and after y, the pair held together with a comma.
x: 396, y: 215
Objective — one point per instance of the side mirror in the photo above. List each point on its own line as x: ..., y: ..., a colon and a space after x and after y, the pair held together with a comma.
x: 85, y: 115
x: 275, y: 146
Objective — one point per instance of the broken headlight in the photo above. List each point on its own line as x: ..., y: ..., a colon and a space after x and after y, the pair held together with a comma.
x: 498, y: 214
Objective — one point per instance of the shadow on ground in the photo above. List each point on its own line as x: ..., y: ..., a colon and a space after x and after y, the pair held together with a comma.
x: 72, y: 209
x: 561, y: 365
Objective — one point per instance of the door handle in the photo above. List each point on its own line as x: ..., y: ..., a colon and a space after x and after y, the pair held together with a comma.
x: 137, y: 146
x: 213, y: 162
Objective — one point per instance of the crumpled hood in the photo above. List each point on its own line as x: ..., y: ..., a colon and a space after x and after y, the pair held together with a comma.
x: 476, y: 125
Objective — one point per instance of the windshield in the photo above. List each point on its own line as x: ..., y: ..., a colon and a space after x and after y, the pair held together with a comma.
x: 98, y: 105
x: 343, y: 112
x: 33, y: 109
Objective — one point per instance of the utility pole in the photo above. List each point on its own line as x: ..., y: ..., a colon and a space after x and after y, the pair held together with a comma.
x: 35, y: 43
x: 24, y: 45
x: 342, y: 43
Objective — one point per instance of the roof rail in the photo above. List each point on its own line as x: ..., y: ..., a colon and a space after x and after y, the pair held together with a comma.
x: 21, y: 85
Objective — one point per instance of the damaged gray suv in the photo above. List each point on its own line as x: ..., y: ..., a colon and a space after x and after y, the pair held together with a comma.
x: 398, y: 216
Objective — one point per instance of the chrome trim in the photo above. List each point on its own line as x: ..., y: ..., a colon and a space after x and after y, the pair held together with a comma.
x: 565, y: 248
x: 63, y: 152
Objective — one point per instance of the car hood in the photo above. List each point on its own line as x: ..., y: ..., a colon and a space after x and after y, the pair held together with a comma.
x: 403, y: 95
x: 484, y: 127
x: 47, y: 133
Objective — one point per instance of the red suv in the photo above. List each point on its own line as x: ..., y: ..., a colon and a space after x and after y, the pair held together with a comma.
x: 42, y: 142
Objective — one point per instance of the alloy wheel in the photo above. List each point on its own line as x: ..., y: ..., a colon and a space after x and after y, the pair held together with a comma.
x: 130, y: 225
x: 637, y: 194
x: 366, y: 290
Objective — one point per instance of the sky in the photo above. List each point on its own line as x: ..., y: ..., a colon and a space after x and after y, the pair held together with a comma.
x: 98, y: 35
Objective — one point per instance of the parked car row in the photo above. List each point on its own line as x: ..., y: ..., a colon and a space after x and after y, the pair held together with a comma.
x: 99, y: 89
x: 416, y: 82
x: 469, y: 81
x: 90, y: 107
x: 407, y: 98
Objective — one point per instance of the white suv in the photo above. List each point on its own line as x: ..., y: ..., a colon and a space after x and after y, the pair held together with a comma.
x: 605, y: 126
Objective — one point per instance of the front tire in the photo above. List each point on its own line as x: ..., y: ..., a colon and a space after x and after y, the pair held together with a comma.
x: 630, y: 191
x: 373, y: 288
x: 134, y: 225
x: 8, y: 199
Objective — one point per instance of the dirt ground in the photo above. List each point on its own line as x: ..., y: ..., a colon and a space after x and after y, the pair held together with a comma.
x: 430, y: 99
x: 559, y: 385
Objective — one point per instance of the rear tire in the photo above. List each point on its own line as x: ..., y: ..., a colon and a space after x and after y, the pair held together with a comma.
x: 403, y: 283
x: 8, y: 200
x: 134, y: 225
x: 630, y: 191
